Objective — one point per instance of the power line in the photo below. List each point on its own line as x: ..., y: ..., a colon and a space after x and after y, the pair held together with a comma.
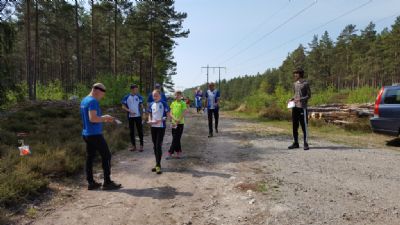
x: 245, y: 37
x: 312, y: 30
x: 272, y: 31
x: 219, y: 73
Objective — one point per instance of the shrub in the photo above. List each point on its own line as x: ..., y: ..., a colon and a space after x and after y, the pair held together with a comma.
x: 273, y: 112
x: 362, y: 95
x: 117, y: 87
x: 359, y: 125
x: 258, y: 101
x: 19, y: 185
x: 56, y: 145
x: 51, y: 91
x: 324, y: 97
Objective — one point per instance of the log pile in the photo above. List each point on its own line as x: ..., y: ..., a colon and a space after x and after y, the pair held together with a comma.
x: 341, y: 114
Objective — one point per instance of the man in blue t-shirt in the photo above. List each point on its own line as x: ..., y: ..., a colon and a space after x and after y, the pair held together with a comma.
x: 93, y: 135
x: 133, y: 105
x: 212, y: 102
x: 150, y: 97
x: 198, y: 97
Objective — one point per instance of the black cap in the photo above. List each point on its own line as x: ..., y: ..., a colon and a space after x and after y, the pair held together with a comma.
x: 133, y: 86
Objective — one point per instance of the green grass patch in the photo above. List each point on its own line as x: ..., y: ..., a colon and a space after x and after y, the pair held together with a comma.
x: 58, y: 150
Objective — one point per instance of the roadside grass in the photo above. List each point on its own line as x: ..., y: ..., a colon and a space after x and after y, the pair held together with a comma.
x: 358, y: 137
x: 58, y: 151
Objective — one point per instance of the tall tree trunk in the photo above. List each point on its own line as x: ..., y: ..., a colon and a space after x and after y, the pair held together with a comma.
x: 140, y: 75
x: 78, y: 47
x: 115, y: 38
x: 151, y: 59
x: 110, y: 64
x: 93, y: 64
x: 29, y: 73
x: 37, y: 48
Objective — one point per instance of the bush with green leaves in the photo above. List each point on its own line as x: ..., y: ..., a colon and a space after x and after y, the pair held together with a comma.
x: 362, y: 95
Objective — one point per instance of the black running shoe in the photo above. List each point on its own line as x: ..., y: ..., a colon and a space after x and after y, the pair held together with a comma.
x: 210, y: 135
x: 111, y: 186
x: 294, y: 145
x: 216, y: 130
x: 153, y: 170
x: 94, y: 186
x: 306, y: 147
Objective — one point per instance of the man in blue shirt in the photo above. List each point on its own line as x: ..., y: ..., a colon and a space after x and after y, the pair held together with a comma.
x: 93, y: 135
x: 198, y: 96
x: 133, y: 105
x: 212, y: 102
x: 150, y: 97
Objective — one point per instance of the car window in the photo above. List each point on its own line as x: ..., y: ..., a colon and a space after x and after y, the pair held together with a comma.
x: 392, y: 96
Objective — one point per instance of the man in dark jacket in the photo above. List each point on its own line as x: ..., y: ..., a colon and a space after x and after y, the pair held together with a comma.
x: 302, y: 93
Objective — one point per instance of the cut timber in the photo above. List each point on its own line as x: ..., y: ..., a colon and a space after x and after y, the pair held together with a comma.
x: 341, y: 112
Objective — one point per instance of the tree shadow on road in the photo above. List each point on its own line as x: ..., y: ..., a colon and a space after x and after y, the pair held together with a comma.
x: 197, y: 173
x: 165, y: 192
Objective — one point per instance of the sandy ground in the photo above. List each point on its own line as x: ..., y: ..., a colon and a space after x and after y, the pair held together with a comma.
x: 239, y: 177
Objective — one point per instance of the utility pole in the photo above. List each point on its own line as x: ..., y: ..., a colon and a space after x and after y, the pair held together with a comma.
x: 219, y: 73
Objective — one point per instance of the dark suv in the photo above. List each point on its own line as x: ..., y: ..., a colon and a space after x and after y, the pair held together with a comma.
x: 386, y: 118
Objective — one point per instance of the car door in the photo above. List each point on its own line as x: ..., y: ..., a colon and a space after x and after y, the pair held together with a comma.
x: 390, y: 108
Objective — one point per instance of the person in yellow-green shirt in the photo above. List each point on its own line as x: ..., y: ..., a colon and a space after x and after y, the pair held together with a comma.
x: 178, y: 111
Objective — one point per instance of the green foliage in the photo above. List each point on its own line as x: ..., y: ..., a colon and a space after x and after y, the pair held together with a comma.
x: 362, y: 95
x: 18, y: 94
x: 281, y: 97
x: 258, y: 101
x: 273, y: 112
x: 56, y: 144
x: 19, y: 184
x: 117, y: 88
x: 324, y: 97
x: 51, y: 91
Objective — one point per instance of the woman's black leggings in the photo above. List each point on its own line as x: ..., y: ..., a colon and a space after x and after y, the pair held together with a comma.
x: 157, y: 135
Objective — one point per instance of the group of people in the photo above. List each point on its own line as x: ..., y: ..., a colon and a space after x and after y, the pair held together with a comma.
x: 212, y: 100
x: 159, y: 112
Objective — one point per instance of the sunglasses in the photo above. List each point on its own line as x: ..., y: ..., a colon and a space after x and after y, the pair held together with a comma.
x: 100, y: 89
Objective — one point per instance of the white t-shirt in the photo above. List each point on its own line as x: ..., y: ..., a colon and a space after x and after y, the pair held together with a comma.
x: 211, y: 99
x: 158, y: 112
x: 133, y: 103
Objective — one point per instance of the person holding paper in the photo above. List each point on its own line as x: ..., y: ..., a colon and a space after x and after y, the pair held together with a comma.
x: 133, y: 105
x: 158, y: 113
x: 92, y: 133
x: 302, y: 93
x: 178, y: 111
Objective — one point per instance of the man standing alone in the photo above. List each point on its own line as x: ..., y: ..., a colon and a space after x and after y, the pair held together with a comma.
x: 302, y: 93
x: 93, y: 135
x: 133, y: 105
x: 212, y: 102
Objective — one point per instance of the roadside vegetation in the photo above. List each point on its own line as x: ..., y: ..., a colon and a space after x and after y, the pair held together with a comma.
x: 58, y: 151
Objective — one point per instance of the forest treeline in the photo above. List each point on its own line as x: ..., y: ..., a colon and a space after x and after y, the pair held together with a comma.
x: 358, y: 58
x: 75, y: 42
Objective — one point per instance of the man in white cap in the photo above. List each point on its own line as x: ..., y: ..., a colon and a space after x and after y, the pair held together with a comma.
x: 93, y: 135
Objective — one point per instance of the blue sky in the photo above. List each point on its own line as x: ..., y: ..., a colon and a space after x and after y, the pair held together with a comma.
x: 249, y: 36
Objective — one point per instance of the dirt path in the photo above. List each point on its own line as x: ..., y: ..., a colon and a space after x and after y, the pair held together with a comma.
x: 239, y: 177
